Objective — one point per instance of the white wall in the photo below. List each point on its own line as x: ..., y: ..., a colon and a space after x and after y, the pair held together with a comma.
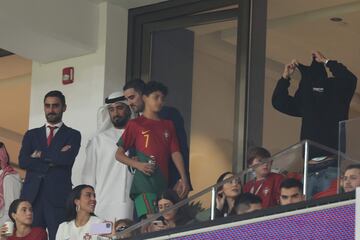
x: 116, y: 48
x: 86, y: 94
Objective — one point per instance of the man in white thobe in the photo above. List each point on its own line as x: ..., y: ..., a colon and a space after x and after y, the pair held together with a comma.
x: 110, y: 178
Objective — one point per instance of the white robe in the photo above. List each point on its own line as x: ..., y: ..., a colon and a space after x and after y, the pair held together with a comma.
x: 110, y: 178
x: 12, y: 187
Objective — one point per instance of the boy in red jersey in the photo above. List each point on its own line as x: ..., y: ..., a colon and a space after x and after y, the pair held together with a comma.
x: 154, y: 140
x: 266, y: 184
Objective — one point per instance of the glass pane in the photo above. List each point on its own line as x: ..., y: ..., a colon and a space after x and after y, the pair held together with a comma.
x: 294, y: 31
x: 318, y: 182
x: 350, y: 154
x: 198, y: 66
x: 197, y: 209
x: 320, y: 174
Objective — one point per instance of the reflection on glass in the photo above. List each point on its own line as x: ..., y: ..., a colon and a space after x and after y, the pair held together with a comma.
x: 294, y: 31
x: 197, y: 64
x: 292, y: 163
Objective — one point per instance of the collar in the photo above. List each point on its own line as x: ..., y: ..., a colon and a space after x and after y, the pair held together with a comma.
x: 58, y: 125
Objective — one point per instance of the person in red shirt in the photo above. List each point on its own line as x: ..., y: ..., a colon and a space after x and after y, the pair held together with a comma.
x: 266, y: 184
x: 155, y: 142
x: 20, y: 212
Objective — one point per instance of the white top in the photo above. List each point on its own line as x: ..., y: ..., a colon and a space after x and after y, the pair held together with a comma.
x: 69, y: 231
x: 12, y: 187
x: 110, y: 178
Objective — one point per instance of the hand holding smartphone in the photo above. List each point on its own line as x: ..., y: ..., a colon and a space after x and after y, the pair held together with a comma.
x: 100, y: 228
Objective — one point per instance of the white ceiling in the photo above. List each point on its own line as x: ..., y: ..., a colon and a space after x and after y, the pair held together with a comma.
x: 47, y: 31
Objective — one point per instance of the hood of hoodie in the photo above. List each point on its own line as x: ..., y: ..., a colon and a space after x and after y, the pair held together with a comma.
x: 315, y: 74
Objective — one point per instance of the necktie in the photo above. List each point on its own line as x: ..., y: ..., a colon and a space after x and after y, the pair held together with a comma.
x: 51, y: 134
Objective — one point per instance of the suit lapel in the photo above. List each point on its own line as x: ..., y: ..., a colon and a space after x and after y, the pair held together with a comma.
x: 59, y: 135
x: 43, y: 136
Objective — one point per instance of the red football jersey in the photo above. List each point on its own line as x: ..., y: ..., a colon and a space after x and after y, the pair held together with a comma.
x: 153, y: 138
x: 268, y: 189
x: 36, y: 233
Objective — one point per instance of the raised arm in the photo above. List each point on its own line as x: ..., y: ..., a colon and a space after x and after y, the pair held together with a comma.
x: 281, y: 100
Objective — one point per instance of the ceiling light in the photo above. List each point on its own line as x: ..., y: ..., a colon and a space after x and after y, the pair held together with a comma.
x: 336, y: 19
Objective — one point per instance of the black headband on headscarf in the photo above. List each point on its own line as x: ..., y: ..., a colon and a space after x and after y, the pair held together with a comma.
x: 114, y: 100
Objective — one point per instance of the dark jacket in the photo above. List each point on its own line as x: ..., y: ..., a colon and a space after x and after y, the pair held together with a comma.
x: 320, y: 101
x: 172, y: 114
x: 52, y: 172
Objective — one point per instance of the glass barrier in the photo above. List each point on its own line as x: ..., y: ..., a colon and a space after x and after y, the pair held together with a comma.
x: 349, y: 153
x: 349, y: 132
x: 315, y: 165
x: 312, y: 163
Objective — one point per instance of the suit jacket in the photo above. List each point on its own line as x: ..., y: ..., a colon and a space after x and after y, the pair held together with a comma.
x: 172, y: 114
x: 51, y: 173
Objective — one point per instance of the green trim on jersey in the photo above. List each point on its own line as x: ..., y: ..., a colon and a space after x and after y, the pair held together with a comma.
x: 120, y: 143
x: 156, y: 183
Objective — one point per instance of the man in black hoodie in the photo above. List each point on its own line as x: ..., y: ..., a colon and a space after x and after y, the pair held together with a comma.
x: 320, y: 101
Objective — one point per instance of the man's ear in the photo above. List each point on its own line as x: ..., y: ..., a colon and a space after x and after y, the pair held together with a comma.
x: 64, y: 108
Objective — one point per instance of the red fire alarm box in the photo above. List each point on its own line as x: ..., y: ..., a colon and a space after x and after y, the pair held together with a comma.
x: 68, y: 75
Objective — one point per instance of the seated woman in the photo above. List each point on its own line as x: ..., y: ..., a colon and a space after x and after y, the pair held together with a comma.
x: 172, y: 218
x: 227, y: 194
x: 80, y: 216
x: 10, y: 184
x: 169, y: 219
x: 21, y: 214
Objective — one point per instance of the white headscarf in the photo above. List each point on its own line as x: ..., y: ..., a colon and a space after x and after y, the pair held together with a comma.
x: 103, y: 118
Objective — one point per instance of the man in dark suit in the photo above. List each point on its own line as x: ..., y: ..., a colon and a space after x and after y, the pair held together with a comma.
x: 133, y: 91
x: 48, y: 154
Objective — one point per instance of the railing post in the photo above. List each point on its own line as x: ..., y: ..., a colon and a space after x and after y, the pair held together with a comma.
x: 213, y: 201
x: 306, y: 160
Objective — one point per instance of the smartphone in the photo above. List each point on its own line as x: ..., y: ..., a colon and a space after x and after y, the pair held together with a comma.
x: 158, y: 222
x: 100, y: 228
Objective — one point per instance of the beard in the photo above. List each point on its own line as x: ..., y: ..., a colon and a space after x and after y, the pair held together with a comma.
x: 120, y: 122
x: 53, y: 118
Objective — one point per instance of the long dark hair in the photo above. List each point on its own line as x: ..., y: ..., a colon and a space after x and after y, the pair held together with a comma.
x: 70, y: 203
x: 225, y: 209
x: 13, y: 208
x: 170, y: 195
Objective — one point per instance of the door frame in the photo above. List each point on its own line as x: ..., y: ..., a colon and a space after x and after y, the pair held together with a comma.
x: 250, y: 56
